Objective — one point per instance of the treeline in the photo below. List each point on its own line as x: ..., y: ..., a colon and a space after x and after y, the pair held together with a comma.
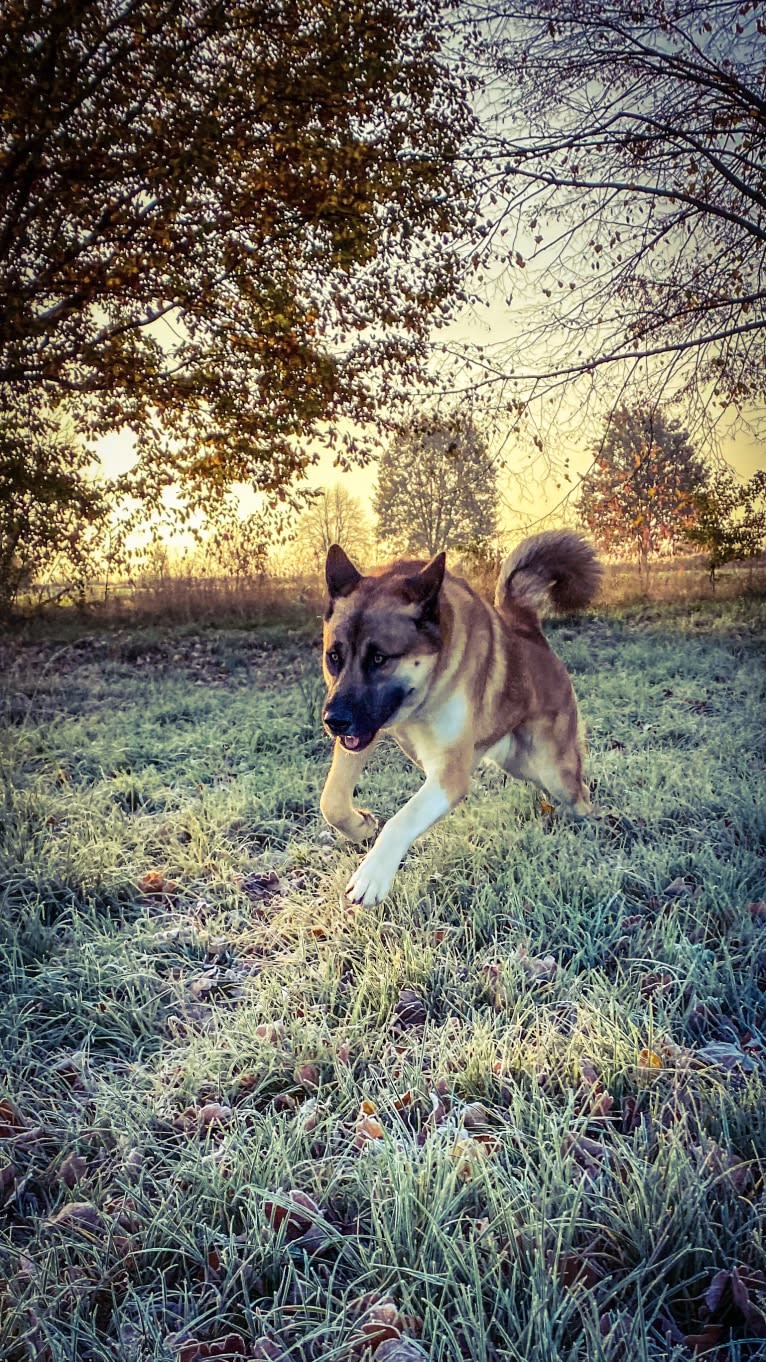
x: 648, y: 496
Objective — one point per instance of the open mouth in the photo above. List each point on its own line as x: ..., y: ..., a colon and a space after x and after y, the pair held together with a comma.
x: 356, y: 742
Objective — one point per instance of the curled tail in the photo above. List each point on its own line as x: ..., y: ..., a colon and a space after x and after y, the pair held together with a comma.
x: 557, y: 567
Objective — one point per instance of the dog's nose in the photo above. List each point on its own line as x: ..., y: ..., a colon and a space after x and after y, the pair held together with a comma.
x: 338, y: 719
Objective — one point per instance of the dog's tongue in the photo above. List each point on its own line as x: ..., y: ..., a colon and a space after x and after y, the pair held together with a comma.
x: 355, y: 742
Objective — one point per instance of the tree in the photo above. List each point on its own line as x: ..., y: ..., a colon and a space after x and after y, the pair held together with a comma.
x: 639, y: 498
x: 52, y: 513
x: 333, y: 517
x: 437, y: 486
x: 730, y: 518
x: 236, y: 545
x: 622, y: 148
x: 222, y: 224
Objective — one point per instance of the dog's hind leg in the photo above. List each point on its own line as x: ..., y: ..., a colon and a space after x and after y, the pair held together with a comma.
x: 337, y: 801
x: 560, y: 773
x: 550, y: 755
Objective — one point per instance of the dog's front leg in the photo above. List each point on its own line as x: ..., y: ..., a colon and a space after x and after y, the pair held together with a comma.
x: 337, y: 801
x: 440, y: 792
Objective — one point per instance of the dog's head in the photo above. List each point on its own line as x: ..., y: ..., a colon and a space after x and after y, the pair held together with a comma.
x: 381, y: 640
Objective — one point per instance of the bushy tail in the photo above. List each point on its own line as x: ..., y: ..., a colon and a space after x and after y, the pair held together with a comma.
x: 557, y: 567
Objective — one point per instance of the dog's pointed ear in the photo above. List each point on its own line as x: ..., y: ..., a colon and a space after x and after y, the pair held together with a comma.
x: 340, y: 572
x: 423, y: 589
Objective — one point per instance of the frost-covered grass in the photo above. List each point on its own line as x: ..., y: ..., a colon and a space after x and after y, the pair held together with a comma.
x: 515, y: 1112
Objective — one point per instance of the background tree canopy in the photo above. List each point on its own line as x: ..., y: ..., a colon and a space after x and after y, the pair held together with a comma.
x: 222, y: 224
x: 639, y: 497
x: 334, y: 516
x: 49, y: 509
x: 730, y: 519
x: 437, y: 486
x: 621, y: 149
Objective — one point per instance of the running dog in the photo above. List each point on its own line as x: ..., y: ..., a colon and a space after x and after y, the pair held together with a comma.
x: 415, y: 652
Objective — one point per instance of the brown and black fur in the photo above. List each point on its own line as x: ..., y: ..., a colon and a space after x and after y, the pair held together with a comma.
x: 415, y: 652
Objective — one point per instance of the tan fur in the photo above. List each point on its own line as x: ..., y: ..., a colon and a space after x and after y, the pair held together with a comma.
x: 337, y: 801
x: 483, y: 682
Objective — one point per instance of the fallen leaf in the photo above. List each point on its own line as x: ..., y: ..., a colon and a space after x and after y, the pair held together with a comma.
x: 656, y: 982
x: 80, y: 1215
x: 649, y: 1059
x: 400, y: 1350
x: 591, y: 1098
x: 286, y: 1101
x: 379, y: 1321
x: 309, y: 1115
x: 573, y: 1270
x: 11, y: 1122
x: 726, y: 1056
x: 272, y: 1032
x: 706, y: 1340
x: 73, y: 1169
x: 601, y: 1106
x: 153, y: 882
x: 203, y: 1118
x: 308, y: 1075
x: 300, y: 1216
x: 261, y: 886
x: 466, y: 1154
x: 496, y: 989
x: 541, y: 969
x: 730, y: 1294
x: 7, y: 1179
x: 588, y: 1072
x: 714, y: 1293
x: 677, y: 888
x: 367, y: 1127
x: 133, y: 1164
x: 73, y: 1070
x: 440, y: 1109
x: 409, y: 1008
x: 475, y: 1116
x: 265, y: 1350
x: 727, y: 1168
x: 617, y: 1326
x: 590, y: 1157
x: 741, y: 1283
x: 213, y: 1114
x: 669, y: 1327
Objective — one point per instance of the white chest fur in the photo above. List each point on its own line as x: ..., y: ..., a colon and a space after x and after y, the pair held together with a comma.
x: 432, y: 737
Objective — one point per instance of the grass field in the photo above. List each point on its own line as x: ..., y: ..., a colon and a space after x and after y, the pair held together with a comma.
x: 515, y: 1112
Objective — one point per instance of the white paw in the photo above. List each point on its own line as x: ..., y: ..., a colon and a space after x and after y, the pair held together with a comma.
x: 372, y: 878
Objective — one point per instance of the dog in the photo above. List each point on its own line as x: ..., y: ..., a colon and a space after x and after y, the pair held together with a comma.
x: 413, y: 651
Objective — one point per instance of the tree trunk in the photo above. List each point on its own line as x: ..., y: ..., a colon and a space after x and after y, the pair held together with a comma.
x: 643, y: 569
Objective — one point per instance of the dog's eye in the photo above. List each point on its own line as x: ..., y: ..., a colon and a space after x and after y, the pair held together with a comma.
x: 378, y: 659
x: 333, y: 657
